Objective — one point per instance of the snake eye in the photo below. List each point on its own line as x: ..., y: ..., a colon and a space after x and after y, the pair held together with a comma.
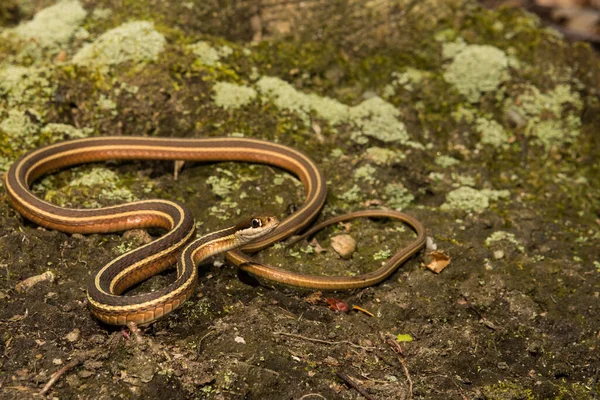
x: 256, y: 223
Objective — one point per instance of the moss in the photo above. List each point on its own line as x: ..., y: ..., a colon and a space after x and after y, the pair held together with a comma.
x: 229, y: 95
x: 222, y: 186
x: 504, y: 236
x: 492, y: 133
x: 52, y: 26
x: 54, y: 132
x: 475, y: 69
x: 353, y: 195
x: 506, y: 390
x: 472, y: 200
x: 133, y: 41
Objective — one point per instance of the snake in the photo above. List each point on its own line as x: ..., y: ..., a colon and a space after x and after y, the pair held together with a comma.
x: 106, y: 289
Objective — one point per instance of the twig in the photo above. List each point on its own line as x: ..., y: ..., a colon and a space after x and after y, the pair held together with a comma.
x: 323, y: 341
x: 354, y: 385
x: 311, y: 395
x: 398, y: 350
x: 135, y: 332
x: 74, y: 362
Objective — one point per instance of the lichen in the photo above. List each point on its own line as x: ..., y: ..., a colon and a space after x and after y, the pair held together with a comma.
x: 208, y: 55
x: 229, y: 95
x: 20, y: 129
x: 133, y: 41
x: 53, y: 25
x: 492, y: 133
x: 472, y: 200
x: 29, y: 86
x: 476, y: 69
x: 398, y: 197
x: 382, y: 156
x: 366, y: 173
x: 63, y: 131
x: 553, y: 119
x: 446, y: 161
x: 378, y: 119
x: 504, y: 236
x: 373, y: 117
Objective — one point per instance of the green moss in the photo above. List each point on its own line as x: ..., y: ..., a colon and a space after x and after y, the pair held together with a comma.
x: 353, y: 195
x: 506, y: 390
x: 52, y: 26
x: 472, y: 200
x: 475, y: 69
x: 133, y: 41
x: 222, y: 186
x: 492, y: 133
x: 504, y: 236
x: 229, y: 95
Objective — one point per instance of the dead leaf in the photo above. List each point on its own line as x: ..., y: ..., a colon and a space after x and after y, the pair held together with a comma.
x: 439, y: 261
x: 337, y: 304
x: 314, y: 298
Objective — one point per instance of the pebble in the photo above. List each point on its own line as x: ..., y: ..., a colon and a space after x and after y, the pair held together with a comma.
x: 73, y: 336
x: 344, y: 245
x: 498, y: 254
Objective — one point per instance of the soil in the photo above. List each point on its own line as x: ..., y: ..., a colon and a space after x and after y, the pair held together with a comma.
x: 515, y: 314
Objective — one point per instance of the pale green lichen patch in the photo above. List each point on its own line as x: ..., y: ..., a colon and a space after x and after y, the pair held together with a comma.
x: 366, y: 173
x: 353, y: 195
x: 504, y: 236
x: 553, y: 118
x: 378, y: 119
x: 472, y: 200
x: 133, y: 41
x: 492, y: 133
x: 230, y: 95
x: 286, y: 97
x: 476, y: 69
x: 20, y: 130
x: 208, y: 55
x: 397, y: 196
x: 406, y: 80
x: 87, y: 187
x: 25, y: 85
x: 222, y: 186
x: 373, y: 117
x: 445, y: 161
x: 382, y: 156
x: 53, y: 25
x: 63, y: 131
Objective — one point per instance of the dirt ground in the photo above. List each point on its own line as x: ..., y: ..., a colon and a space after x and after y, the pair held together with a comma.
x: 483, y: 124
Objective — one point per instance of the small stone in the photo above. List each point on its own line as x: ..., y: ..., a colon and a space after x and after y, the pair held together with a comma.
x: 57, y: 361
x: 85, y: 374
x: 344, y: 245
x: 498, y: 254
x: 138, y: 236
x: 73, y: 336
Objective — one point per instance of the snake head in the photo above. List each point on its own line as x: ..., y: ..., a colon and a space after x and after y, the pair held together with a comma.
x: 255, y: 227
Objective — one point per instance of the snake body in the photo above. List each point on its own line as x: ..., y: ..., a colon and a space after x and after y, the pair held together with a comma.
x: 105, y: 291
